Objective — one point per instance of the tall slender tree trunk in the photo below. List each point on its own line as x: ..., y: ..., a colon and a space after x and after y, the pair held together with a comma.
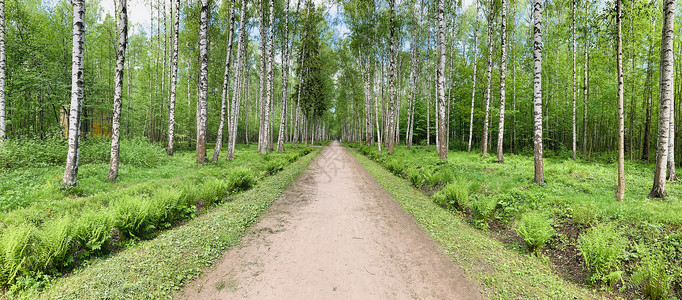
x: 503, y: 76
x: 473, y: 81
x: 585, y: 89
x: 486, y: 117
x: 574, y: 84
x: 537, y: 91
x: 226, y: 82
x: 174, y: 79
x: 376, y: 107
x: 77, y: 64
x: 202, y: 105
x: 262, y: 145
x: 672, y: 175
x: 285, y: 79
x: 3, y: 123
x: 236, y: 91
x: 391, y: 82
x: 267, y: 131
x: 443, y: 139
x: 118, y: 89
x: 666, y: 93
x: 620, y: 193
x: 648, y: 96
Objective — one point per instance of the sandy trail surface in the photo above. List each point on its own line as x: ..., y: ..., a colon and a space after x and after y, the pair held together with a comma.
x: 334, y: 234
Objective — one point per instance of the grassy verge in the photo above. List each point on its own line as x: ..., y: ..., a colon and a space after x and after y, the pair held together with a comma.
x: 630, y: 248
x: 505, y: 273
x: 156, y: 268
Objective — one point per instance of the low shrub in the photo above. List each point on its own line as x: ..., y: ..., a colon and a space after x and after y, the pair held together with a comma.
x: 454, y: 196
x: 167, y: 208
x: 483, y: 209
x: 602, y: 248
x: 132, y: 215
x: 273, y: 166
x: 240, y: 179
x: 584, y: 215
x: 212, y: 191
x: 535, y: 229
x: 651, y: 274
x: 306, y: 151
x: 93, y: 229
x: 439, y: 178
x: 395, y: 166
x: 14, y: 247
x: 54, y: 241
x: 416, y: 178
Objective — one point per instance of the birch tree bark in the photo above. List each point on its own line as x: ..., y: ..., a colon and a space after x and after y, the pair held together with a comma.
x: 620, y: 192
x: 473, y: 87
x: 236, y: 90
x: 262, y: 145
x: 537, y: 91
x: 3, y: 124
x: 390, y: 139
x: 574, y: 93
x: 226, y: 82
x: 585, y: 83
x: 486, y: 118
x: 442, y: 132
x: 174, y: 79
x: 503, y: 74
x: 672, y: 175
x: 285, y: 79
x: 202, y: 105
x: 77, y: 64
x: 666, y: 96
x: 271, y: 81
x: 118, y: 89
x: 648, y: 95
x: 415, y: 79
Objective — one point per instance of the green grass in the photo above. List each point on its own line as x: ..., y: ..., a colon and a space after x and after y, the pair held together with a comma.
x: 504, y: 273
x: 51, y: 235
x: 158, y: 268
x: 577, y: 195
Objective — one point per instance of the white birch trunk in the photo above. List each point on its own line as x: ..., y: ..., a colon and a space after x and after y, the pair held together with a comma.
x: 486, y: 116
x: 236, y: 91
x: 118, y: 89
x: 3, y: 123
x: 620, y: 192
x: 473, y: 84
x: 285, y: 79
x: 174, y: 80
x: 77, y: 62
x: 440, y: 82
x: 390, y: 139
x: 503, y: 76
x: 226, y: 82
x: 202, y: 106
x: 537, y: 91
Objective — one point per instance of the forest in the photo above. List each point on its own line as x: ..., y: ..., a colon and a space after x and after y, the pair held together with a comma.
x: 121, y: 121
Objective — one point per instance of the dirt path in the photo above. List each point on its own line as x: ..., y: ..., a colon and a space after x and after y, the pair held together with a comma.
x: 334, y: 234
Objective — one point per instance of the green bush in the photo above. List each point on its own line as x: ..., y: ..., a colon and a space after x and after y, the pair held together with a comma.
x: 416, y: 178
x: 212, y: 191
x: 93, y: 229
x: 274, y: 166
x: 240, y: 179
x: 483, y: 208
x: 132, y: 215
x: 602, y: 247
x: 14, y: 247
x: 54, y: 241
x: 395, y: 166
x: 535, y: 229
x: 454, y: 195
x: 651, y: 274
x: 584, y: 215
x: 166, y: 208
x: 306, y: 151
x: 439, y: 178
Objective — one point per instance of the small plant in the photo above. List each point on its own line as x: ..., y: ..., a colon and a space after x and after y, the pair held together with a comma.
x: 274, y: 166
x: 131, y: 215
x: 651, y: 274
x: 585, y: 215
x: 439, y: 178
x: 14, y: 246
x: 602, y: 247
x: 54, y: 241
x: 240, y: 179
x: 535, y: 229
x: 483, y: 209
x: 212, y: 191
x: 93, y: 229
x: 416, y: 178
x: 396, y: 167
x: 454, y: 196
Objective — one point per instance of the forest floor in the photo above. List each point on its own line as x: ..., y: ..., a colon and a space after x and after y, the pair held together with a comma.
x: 335, y: 234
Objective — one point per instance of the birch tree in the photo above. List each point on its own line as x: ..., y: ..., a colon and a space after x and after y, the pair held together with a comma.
x: 174, y: 79
x: 473, y: 81
x: 390, y: 139
x: 226, y: 81
x: 77, y: 65
x: 537, y: 91
x: 443, y: 140
x: 503, y: 71
x: 2, y: 72
x: 270, y: 88
x: 666, y: 96
x: 574, y: 85
x: 285, y: 79
x: 486, y: 117
x: 118, y: 89
x: 236, y: 91
x: 620, y: 192
x: 202, y: 105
